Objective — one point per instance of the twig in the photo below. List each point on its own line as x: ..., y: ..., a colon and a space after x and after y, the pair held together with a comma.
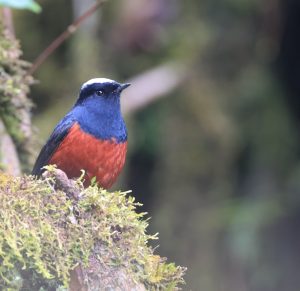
x: 62, y: 37
x: 63, y: 183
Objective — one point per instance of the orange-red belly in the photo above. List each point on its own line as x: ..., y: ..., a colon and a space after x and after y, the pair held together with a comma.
x: 103, y: 159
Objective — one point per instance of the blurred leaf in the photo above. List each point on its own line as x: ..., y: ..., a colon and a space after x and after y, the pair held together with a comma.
x: 22, y: 4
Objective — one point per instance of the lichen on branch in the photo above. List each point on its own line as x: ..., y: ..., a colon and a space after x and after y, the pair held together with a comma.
x: 45, y: 234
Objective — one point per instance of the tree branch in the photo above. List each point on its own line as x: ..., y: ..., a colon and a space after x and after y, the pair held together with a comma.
x: 8, y: 21
x: 9, y: 160
x: 152, y: 85
x: 62, y: 37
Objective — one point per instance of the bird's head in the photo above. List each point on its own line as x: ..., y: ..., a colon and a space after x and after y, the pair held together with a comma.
x: 98, y: 111
x: 100, y: 91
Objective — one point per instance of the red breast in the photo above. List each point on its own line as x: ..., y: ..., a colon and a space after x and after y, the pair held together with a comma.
x: 103, y: 159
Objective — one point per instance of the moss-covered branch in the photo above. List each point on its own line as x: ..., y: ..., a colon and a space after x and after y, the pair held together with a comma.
x: 14, y: 87
x: 45, y: 233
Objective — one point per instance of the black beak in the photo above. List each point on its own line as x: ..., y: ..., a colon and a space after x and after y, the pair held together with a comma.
x: 122, y: 87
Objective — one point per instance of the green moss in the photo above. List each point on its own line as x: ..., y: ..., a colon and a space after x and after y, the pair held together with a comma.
x: 44, y: 235
x: 14, y: 86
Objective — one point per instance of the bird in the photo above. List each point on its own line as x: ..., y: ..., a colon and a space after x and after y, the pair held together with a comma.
x: 92, y: 136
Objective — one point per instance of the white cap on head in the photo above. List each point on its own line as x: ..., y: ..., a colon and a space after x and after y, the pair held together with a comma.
x: 97, y: 81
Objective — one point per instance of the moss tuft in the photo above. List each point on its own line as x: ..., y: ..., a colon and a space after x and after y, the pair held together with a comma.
x: 44, y: 235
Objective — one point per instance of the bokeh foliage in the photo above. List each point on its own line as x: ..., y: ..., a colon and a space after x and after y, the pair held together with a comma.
x: 22, y: 4
x: 217, y: 161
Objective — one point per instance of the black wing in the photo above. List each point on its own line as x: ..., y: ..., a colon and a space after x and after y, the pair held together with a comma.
x: 57, y: 136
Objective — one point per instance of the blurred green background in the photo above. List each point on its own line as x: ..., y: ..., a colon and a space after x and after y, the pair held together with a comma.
x: 216, y: 162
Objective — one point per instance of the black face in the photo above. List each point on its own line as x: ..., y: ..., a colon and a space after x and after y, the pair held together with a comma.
x: 101, y: 89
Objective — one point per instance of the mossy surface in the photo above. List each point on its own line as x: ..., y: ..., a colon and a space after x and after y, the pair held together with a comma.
x: 14, y: 86
x: 44, y: 235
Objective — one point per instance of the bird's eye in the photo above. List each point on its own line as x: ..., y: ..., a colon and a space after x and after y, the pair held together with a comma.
x: 99, y: 92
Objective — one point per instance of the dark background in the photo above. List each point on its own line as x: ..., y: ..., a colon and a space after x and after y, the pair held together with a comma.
x: 217, y: 161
